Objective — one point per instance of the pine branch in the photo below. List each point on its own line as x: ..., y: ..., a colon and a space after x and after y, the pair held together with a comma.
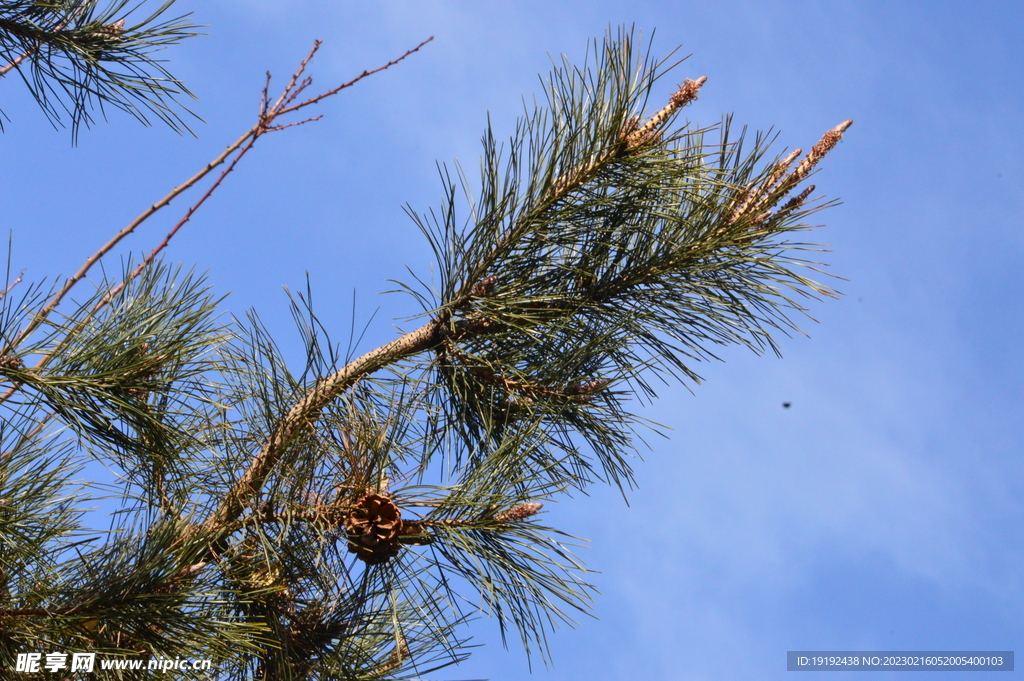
x: 757, y: 203
x: 471, y: 312
x: 306, y: 411
x: 81, y: 58
x: 631, y: 139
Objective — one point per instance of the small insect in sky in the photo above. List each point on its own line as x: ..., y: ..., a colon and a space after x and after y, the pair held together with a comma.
x: 785, y: 405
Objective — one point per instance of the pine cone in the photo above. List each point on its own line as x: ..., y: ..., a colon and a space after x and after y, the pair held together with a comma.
x: 372, y: 527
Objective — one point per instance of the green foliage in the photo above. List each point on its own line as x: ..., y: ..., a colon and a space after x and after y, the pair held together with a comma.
x: 596, y: 269
x: 344, y: 520
x: 79, y: 56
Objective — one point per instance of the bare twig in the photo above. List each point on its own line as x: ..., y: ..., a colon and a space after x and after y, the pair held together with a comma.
x: 266, y: 123
x: 170, y: 235
x: 14, y: 283
x: 17, y: 60
x: 329, y: 93
x: 94, y: 258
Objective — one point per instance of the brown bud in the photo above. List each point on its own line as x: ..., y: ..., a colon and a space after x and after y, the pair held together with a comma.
x: 11, y: 362
x: 519, y: 512
x: 111, y: 31
x: 484, y: 286
x: 585, y: 387
x: 795, y: 202
x: 650, y: 131
x: 828, y: 141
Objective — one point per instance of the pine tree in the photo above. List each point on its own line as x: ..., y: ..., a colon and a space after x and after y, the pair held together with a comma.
x: 344, y: 519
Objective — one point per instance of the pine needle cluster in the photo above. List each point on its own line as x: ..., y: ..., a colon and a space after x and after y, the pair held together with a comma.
x: 344, y: 519
x: 81, y: 56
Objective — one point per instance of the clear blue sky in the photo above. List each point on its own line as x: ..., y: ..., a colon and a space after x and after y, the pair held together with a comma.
x: 882, y: 511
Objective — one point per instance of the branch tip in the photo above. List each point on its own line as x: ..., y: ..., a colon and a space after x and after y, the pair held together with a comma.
x: 686, y: 93
x: 828, y: 141
x: 520, y: 512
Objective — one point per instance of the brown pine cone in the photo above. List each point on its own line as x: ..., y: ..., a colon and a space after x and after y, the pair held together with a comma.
x: 372, y: 527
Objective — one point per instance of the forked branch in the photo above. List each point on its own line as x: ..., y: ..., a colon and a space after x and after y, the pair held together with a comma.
x: 267, y: 122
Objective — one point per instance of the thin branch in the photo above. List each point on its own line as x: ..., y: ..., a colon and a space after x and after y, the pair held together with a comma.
x: 265, y: 124
x: 138, y: 270
x: 94, y: 258
x: 306, y: 410
x: 352, y: 82
x: 17, y: 60
x: 14, y: 283
x: 170, y: 235
x: 34, y: 612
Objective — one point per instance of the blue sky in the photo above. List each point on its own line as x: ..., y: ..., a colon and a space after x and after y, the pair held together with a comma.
x: 882, y: 511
